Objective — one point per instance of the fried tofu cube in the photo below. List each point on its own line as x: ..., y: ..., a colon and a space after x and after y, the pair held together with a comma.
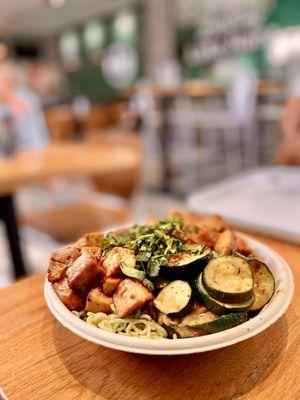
x: 71, y: 299
x: 95, y: 251
x: 115, y: 257
x: 242, y: 247
x: 97, y: 301
x: 214, y: 222
x: 110, y: 285
x: 92, y: 239
x: 66, y: 254
x: 83, y: 271
x: 208, y: 237
x: 56, y: 270
x: 60, y: 261
x: 130, y: 296
x: 225, y: 243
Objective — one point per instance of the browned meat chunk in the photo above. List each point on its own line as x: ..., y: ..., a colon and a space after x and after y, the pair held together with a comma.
x: 60, y: 261
x: 71, y: 299
x: 114, y: 259
x: 83, y: 271
x: 109, y: 285
x: 225, y: 243
x: 97, y: 301
x: 92, y: 239
x: 130, y: 296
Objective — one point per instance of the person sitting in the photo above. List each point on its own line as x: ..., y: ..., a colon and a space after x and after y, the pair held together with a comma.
x: 21, y: 106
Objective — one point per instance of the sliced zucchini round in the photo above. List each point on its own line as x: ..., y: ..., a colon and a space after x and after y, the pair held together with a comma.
x: 185, y: 265
x: 174, y: 299
x: 198, y: 317
x: 184, y: 331
x: 210, y: 322
x: 173, y: 326
x: 216, y: 306
x: 225, y: 322
x: 264, y: 284
x: 229, y: 279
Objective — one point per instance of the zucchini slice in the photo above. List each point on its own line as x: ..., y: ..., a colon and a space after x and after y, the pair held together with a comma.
x: 173, y: 326
x: 225, y: 322
x: 229, y: 279
x: 185, y: 265
x: 210, y: 322
x: 264, y: 284
x: 201, y: 322
x: 174, y: 299
x: 216, y: 306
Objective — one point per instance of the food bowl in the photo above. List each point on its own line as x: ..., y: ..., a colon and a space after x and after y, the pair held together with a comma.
x: 284, y: 287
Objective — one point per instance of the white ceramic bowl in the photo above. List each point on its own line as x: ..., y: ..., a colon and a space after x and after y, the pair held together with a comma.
x: 268, y: 315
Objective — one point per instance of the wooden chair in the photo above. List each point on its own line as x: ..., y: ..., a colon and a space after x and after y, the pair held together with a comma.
x: 123, y: 183
x: 96, y: 118
x: 61, y: 123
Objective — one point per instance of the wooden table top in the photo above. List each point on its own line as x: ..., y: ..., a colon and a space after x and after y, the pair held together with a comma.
x: 65, y: 159
x: 42, y: 360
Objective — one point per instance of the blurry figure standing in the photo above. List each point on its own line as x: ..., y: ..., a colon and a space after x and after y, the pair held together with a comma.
x: 21, y: 111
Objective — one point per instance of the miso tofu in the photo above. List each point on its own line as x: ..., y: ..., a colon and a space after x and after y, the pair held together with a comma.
x: 130, y: 296
x: 115, y: 257
x: 66, y: 254
x: 83, y: 271
x: 226, y: 243
x: 71, y: 299
x: 97, y: 301
x: 60, y: 261
x: 110, y: 285
x: 92, y: 239
x: 214, y: 222
x: 242, y: 247
x: 56, y: 270
x: 95, y: 251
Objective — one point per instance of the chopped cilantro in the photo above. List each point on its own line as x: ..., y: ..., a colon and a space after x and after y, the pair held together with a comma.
x: 152, y: 244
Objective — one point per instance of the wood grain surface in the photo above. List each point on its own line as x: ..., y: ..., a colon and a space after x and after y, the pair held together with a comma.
x: 42, y: 360
x: 66, y: 159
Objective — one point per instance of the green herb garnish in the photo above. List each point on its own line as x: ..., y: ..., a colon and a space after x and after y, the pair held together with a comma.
x: 153, y: 245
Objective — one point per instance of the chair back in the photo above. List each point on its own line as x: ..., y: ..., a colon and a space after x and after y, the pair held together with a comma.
x: 61, y: 123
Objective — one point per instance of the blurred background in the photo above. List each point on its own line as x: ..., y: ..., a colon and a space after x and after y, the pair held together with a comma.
x: 114, y: 111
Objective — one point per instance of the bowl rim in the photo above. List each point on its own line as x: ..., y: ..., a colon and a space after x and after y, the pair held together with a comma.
x: 284, y: 288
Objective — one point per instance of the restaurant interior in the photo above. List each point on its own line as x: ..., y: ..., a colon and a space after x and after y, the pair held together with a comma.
x: 117, y: 111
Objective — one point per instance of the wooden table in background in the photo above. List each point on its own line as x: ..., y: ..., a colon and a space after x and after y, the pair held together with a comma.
x: 42, y: 360
x: 65, y: 159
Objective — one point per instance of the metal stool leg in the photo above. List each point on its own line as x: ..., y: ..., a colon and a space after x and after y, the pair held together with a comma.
x: 8, y: 215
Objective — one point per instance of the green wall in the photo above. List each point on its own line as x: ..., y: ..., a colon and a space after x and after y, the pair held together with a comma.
x: 88, y: 78
x: 285, y: 13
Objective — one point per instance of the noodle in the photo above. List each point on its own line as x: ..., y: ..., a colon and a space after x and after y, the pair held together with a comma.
x: 139, y: 325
